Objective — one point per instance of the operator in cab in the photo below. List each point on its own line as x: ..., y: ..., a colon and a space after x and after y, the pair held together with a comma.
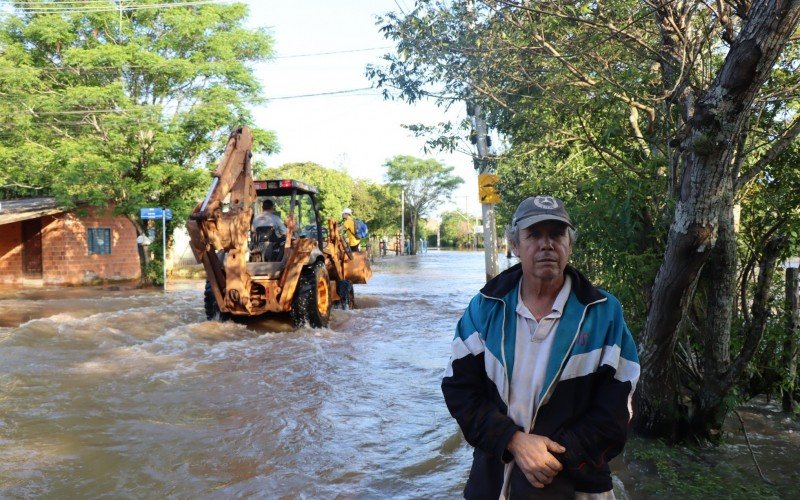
x: 268, y: 217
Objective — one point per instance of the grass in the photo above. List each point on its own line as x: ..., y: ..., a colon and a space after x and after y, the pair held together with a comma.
x: 654, y: 469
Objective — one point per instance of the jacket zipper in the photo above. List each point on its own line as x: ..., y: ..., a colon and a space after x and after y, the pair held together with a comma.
x: 563, y: 363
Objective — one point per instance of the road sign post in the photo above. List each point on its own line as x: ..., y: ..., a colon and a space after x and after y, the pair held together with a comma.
x: 164, y: 247
x: 164, y: 214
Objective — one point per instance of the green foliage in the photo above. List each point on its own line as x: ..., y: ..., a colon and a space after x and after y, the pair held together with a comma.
x: 154, y: 272
x: 378, y: 205
x: 566, y: 121
x: 131, y: 108
x: 455, y: 229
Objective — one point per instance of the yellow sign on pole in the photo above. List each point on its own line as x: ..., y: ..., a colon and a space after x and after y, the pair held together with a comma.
x: 487, y: 188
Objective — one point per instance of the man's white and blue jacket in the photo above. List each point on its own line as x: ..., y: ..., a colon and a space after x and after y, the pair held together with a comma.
x: 586, y: 399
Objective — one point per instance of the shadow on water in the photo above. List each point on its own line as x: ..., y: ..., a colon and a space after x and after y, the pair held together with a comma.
x: 127, y: 392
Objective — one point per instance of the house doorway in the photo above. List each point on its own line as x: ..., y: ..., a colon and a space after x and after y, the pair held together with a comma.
x: 32, y: 249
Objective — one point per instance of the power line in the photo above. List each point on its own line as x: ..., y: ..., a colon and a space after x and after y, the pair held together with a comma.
x: 66, y: 2
x: 73, y: 112
x: 105, y: 7
x: 115, y: 5
x: 350, y: 92
x: 84, y: 69
x: 332, y: 52
x: 333, y: 92
x: 170, y: 63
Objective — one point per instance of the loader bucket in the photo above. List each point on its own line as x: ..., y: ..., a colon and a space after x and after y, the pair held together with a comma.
x: 357, y: 269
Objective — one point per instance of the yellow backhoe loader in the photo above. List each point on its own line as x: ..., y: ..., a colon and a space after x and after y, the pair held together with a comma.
x: 304, y: 271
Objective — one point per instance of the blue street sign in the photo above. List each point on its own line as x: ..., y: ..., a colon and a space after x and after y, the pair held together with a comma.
x: 151, y: 213
x: 168, y: 214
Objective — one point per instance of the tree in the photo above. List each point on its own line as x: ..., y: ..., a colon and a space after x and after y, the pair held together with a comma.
x: 425, y: 184
x: 456, y: 229
x: 703, y: 226
x: 129, y: 104
x: 378, y: 205
x: 654, y: 120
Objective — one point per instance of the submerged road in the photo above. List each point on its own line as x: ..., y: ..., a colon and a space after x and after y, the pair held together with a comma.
x: 133, y: 393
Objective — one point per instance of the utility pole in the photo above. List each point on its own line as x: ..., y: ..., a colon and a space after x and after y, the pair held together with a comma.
x: 403, y: 220
x: 486, y: 179
x: 487, y: 195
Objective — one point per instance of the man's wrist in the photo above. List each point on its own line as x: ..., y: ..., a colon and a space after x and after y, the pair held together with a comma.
x: 512, y: 443
x: 504, y: 445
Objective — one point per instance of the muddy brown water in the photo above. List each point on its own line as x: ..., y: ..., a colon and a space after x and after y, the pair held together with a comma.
x: 119, y: 392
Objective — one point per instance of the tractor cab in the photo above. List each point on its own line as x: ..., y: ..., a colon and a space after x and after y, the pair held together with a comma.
x: 295, y: 204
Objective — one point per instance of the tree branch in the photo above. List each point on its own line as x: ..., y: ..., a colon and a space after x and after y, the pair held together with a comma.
x: 779, y: 146
x: 609, y: 26
x: 760, y: 309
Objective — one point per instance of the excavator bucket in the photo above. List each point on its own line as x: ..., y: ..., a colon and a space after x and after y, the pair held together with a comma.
x: 357, y: 269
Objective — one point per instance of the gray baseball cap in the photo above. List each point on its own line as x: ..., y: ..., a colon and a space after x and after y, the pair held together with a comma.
x: 539, y: 209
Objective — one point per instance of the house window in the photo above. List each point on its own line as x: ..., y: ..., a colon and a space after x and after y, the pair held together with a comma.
x: 99, y: 240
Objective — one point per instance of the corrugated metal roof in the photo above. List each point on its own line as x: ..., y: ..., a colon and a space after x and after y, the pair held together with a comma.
x: 27, y: 208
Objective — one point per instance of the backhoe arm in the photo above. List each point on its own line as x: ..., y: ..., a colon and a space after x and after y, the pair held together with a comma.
x: 221, y: 222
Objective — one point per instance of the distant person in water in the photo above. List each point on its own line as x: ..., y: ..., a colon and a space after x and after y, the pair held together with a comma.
x: 349, y: 224
x: 542, y: 371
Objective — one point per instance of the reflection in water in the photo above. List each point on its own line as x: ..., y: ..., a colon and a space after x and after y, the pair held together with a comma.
x: 127, y: 392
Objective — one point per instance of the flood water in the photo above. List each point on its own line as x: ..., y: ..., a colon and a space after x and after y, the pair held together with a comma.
x: 125, y: 392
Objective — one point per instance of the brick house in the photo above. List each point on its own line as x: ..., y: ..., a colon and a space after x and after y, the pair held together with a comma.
x: 41, y: 243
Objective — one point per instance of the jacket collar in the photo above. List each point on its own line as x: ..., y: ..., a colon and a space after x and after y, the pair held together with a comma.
x: 505, y: 282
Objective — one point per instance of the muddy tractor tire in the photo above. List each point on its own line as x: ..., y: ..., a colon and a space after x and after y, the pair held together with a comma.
x: 212, y: 308
x: 312, y: 300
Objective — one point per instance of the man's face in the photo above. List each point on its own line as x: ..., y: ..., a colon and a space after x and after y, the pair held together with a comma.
x: 544, y: 250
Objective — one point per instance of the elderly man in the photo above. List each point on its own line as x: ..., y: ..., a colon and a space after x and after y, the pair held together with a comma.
x: 542, y: 370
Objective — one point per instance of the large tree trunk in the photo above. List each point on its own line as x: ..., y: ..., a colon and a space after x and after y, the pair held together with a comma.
x: 790, y: 344
x: 710, y: 403
x: 707, y: 150
x: 718, y: 279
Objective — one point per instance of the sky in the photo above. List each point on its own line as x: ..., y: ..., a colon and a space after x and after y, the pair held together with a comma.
x: 358, y: 131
